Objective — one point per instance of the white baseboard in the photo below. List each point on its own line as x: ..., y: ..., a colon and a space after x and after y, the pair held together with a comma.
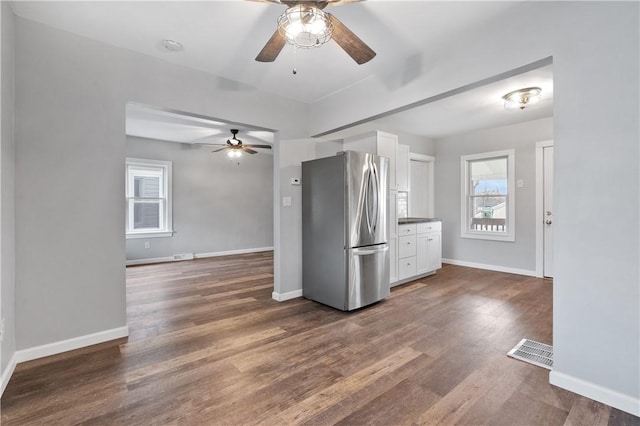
x: 55, y: 348
x: 6, y: 374
x: 281, y: 297
x: 496, y: 268
x: 232, y: 252
x: 601, y: 394
x: 151, y: 260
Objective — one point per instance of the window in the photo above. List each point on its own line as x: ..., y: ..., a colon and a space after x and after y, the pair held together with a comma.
x: 487, y: 204
x: 148, y: 192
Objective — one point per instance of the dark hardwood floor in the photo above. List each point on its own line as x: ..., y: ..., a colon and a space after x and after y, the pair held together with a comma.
x: 208, y: 346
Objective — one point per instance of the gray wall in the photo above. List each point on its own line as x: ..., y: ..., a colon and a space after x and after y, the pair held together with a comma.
x: 596, y: 320
x: 71, y: 94
x: 595, y: 49
x: 218, y: 205
x: 520, y: 254
x: 417, y: 144
x: 293, y: 152
x: 7, y: 183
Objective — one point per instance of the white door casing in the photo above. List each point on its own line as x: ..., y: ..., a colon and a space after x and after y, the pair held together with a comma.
x: 544, y: 190
x: 547, y: 177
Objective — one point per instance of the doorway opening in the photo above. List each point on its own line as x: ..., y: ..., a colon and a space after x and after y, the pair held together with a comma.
x: 421, y: 185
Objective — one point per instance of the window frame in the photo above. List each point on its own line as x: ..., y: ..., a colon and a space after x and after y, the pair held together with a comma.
x: 465, y: 204
x: 152, y: 167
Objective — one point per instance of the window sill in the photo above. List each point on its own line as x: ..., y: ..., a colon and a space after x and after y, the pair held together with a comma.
x: 493, y: 236
x: 153, y: 234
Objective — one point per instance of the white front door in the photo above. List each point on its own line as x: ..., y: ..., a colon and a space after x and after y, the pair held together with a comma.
x: 548, y: 210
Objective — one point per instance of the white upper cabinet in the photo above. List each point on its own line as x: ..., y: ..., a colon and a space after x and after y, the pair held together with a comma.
x: 379, y: 143
x: 402, y: 167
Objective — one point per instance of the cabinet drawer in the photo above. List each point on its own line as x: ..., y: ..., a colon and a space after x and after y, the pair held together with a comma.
x: 407, y: 229
x: 407, y: 267
x: 407, y: 246
x: 429, y: 227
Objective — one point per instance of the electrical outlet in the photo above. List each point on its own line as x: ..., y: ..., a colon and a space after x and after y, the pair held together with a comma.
x: 1, y: 329
x: 147, y: 244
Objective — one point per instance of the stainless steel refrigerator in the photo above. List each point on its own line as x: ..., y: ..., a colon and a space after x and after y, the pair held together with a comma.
x: 345, y: 230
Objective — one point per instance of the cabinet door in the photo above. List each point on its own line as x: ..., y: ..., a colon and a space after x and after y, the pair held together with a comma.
x: 422, y: 254
x: 434, y: 251
x: 393, y: 260
x: 428, y: 252
x: 402, y: 167
x: 387, y: 148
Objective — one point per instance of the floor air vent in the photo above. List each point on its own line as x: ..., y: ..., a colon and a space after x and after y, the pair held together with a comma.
x: 533, y: 352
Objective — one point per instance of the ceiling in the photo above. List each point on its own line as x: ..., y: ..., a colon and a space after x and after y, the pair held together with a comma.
x: 223, y: 38
x: 175, y: 126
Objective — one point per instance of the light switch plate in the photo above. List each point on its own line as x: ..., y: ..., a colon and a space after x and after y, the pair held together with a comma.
x: 520, y: 183
x: 286, y: 201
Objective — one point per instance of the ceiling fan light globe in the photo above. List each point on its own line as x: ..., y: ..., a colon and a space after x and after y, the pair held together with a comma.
x: 305, y: 26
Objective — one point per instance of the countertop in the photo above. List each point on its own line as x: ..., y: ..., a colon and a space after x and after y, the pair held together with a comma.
x: 405, y: 220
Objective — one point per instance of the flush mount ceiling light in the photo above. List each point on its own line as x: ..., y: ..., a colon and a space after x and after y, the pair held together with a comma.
x: 305, y: 26
x: 522, y: 98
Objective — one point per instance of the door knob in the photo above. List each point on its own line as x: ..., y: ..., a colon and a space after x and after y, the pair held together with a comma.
x: 548, y: 222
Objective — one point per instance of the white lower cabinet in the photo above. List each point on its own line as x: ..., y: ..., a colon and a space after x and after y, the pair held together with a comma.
x: 419, y: 250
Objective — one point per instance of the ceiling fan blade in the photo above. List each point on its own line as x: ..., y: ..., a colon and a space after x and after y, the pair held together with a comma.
x: 272, y: 49
x: 258, y: 146
x: 250, y: 151
x: 219, y: 149
x: 350, y: 43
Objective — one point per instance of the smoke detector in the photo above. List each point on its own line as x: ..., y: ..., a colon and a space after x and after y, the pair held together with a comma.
x: 171, y: 46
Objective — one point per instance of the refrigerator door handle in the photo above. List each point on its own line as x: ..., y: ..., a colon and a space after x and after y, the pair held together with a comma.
x: 367, y: 196
x: 376, y: 181
x: 365, y: 251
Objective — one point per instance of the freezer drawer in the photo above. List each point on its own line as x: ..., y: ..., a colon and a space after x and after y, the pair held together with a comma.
x: 368, y: 275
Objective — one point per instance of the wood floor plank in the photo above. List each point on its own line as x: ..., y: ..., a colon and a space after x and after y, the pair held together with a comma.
x: 588, y: 412
x: 209, y: 346
x: 320, y: 401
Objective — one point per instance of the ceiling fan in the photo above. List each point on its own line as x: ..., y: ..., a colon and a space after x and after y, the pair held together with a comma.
x: 305, y: 24
x: 235, y: 147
